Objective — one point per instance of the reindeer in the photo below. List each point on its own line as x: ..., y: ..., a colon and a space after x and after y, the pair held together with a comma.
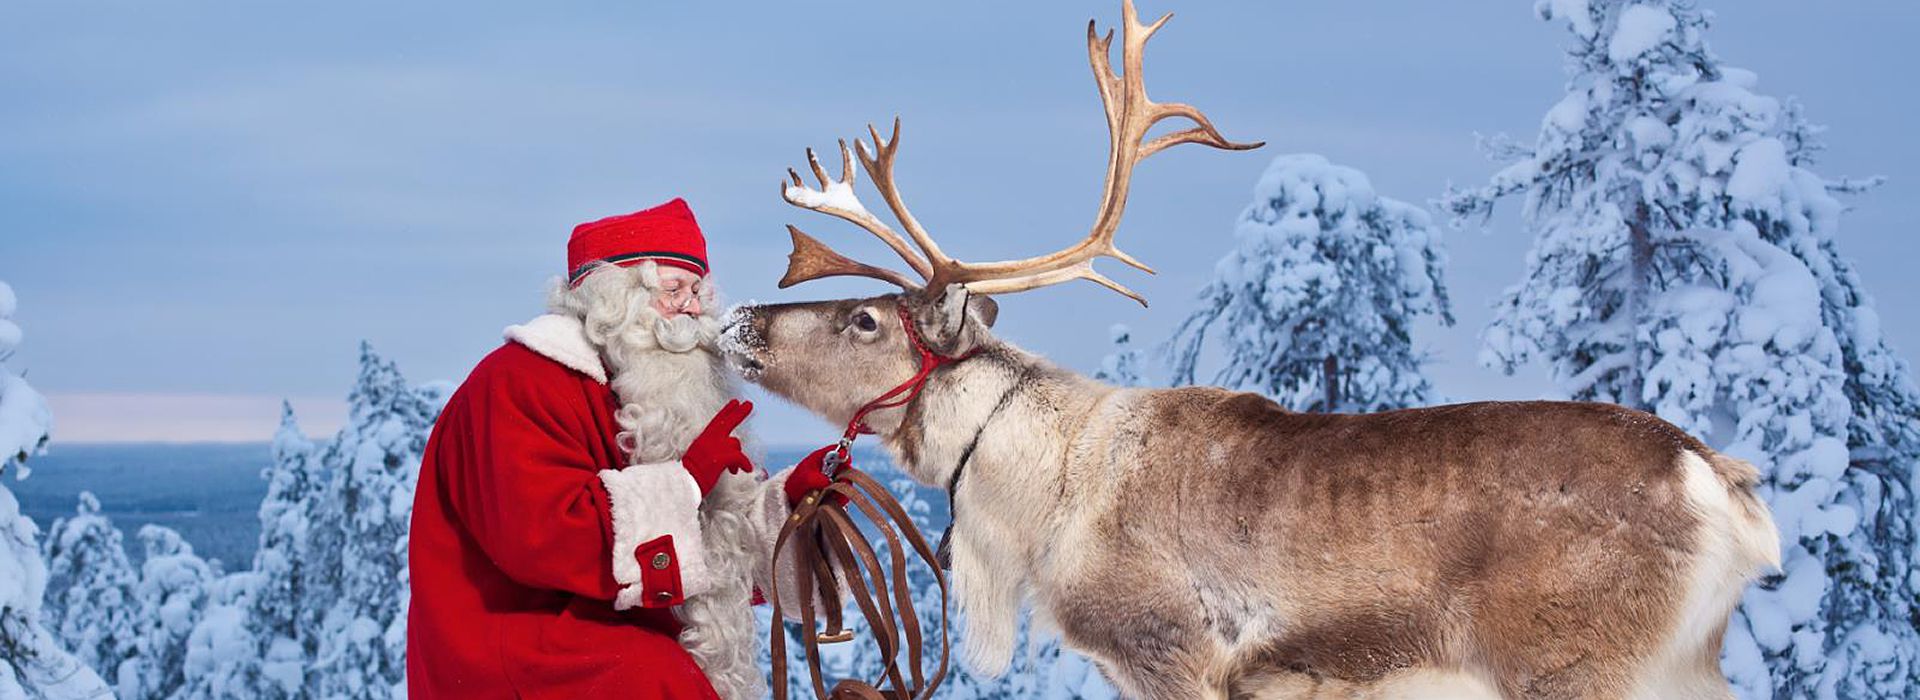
x: 1202, y: 543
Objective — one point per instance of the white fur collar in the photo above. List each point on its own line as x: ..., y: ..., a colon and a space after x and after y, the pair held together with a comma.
x: 562, y: 339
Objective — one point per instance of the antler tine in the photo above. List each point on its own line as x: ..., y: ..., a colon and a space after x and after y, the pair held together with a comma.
x: 812, y: 260
x: 836, y: 198
x: 1130, y: 114
x: 879, y: 167
x: 1082, y: 270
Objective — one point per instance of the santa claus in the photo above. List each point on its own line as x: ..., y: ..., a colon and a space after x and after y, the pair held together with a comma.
x: 587, y: 523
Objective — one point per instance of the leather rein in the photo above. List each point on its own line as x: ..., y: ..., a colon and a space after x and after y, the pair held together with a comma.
x: 820, y: 528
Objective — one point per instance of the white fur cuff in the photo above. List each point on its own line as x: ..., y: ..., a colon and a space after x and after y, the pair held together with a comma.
x: 647, y: 502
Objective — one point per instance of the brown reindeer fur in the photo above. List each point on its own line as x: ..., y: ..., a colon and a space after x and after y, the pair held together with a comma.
x: 1202, y: 543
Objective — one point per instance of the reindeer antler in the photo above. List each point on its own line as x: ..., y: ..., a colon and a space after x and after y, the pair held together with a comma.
x: 1130, y: 114
x: 812, y: 259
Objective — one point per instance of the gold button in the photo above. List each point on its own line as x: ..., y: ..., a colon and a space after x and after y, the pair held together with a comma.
x: 663, y: 596
x: 661, y: 560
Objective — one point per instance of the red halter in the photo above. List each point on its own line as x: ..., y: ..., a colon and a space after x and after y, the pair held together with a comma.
x: 897, y: 397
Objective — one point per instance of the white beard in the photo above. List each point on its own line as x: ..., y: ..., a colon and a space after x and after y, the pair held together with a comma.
x: 671, y: 381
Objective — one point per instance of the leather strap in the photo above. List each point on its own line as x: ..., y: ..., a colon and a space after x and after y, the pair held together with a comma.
x: 907, y: 391
x: 819, y: 529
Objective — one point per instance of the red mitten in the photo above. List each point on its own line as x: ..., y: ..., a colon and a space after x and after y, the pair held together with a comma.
x: 716, y: 450
x: 810, y: 475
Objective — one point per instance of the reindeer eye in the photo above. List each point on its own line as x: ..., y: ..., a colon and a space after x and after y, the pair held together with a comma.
x: 864, y: 321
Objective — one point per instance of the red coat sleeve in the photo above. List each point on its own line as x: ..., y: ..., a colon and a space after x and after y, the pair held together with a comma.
x: 530, y: 493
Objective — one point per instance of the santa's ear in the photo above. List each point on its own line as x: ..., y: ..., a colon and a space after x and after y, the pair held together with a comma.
x: 955, y: 321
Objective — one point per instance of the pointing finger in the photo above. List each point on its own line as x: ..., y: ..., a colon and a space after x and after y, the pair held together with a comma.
x: 726, y: 420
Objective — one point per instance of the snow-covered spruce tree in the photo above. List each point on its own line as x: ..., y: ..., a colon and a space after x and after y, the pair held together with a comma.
x: 1684, y: 262
x: 25, y: 422
x: 32, y: 662
x: 1316, y: 302
x: 92, y: 601
x: 222, y: 660
x: 1122, y: 367
x: 322, y: 562
x: 173, y: 594
x: 362, y: 515
x: 292, y: 479
x: 1883, y: 441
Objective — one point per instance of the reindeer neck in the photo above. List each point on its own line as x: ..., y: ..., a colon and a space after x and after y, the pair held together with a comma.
x: 1006, y: 417
x: 1011, y: 418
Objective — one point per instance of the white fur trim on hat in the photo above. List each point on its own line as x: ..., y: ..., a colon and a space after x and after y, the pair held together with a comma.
x: 771, y: 514
x: 648, y: 501
x: 562, y: 339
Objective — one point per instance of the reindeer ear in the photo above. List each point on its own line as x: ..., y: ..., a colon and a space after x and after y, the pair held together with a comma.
x: 955, y: 321
x: 986, y: 308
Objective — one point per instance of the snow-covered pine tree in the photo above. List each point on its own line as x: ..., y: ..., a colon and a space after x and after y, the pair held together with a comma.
x: 173, y: 593
x: 362, y: 516
x: 292, y: 479
x: 180, y: 629
x: 1122, y: 367
x: 1883, y: 441
x: 247, y: 645
x: 1316, y: 302
x: 92, y: 601
x: 222, y: 659
x: 1684, y: 262
x: 25, y: 422
x: 32, y: 662
x: 322, y: 561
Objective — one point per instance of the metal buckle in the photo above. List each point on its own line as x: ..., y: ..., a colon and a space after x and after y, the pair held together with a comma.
x: 831, y: 463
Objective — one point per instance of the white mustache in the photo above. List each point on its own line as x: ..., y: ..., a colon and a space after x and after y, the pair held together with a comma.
x: 681, y: 334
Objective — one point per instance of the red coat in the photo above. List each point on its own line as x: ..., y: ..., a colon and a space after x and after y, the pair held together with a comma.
x: 524, y: 585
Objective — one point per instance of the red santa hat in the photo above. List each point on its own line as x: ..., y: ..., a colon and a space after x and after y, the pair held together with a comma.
x: 666, y: 234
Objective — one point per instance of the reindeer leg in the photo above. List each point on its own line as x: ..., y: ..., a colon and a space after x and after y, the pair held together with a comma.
x: 1147, y: 654
x: 1160, y: 679
x: 1410, y: 684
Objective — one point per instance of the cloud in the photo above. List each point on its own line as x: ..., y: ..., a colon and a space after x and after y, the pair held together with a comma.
x: 91, y: 417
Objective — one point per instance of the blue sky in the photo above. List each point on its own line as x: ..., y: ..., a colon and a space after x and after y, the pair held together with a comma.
x: 206, y: 206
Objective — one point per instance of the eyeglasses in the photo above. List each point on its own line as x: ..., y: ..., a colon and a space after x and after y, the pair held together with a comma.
x: 680, y: 296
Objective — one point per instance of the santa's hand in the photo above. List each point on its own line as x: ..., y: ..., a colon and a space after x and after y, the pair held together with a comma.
x: 810, y: 475
x: 716, y: 450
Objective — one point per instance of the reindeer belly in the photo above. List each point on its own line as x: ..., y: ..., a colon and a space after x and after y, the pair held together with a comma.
x: 1540, y: 546
x: 1357, y: 581
x: 1132, y: 588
